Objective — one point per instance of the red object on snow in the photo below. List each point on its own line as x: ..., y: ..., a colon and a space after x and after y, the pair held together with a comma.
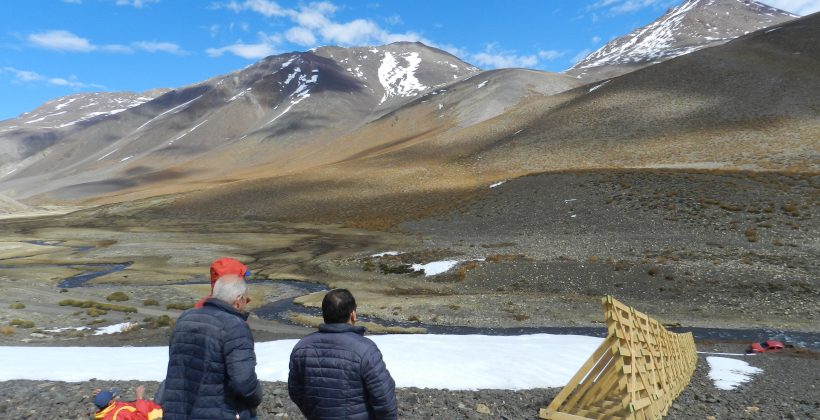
x: 765, y: 346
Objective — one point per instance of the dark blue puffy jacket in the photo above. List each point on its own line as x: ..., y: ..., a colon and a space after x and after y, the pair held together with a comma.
x: 211, y: 366
x: 337, y: 373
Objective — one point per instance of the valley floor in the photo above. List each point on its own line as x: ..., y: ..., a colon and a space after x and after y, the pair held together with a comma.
x: 694, y: 248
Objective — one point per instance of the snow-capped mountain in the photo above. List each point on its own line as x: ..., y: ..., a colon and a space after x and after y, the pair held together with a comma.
x: 69, y: 110
x: 693, y: 25
x: 284, y: 105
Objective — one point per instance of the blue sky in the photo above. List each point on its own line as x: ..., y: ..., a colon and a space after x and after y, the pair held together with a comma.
x: 51, y: 48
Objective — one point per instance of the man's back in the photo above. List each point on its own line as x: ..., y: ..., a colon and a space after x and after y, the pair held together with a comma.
x: 338, y: 373
x: 211, y: 366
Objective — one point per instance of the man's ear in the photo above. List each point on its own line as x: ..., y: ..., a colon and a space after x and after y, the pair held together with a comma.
x: 352, y: 319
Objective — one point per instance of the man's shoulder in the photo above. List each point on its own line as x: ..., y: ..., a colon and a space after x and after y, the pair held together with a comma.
x: 350, y: 340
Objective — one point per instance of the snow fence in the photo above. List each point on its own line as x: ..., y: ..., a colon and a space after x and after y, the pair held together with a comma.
x: 635, y: 373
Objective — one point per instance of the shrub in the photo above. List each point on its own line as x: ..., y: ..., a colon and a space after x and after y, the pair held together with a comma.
x: 6, y: 330
x: 652, y: 271
x: 521, y: 317
x: 117, y: 297
x: 160, y: 321
x: 86, y: 304
x: 96, y: 321
x: 150, y: 302
x: 22, y: 323
x: 179, y: 305
x: 396, y: 269
x: 620, y: 265
x: 751, y: 234
x: 17, y: 305
x: 94, y: 312
x: 791, y: 209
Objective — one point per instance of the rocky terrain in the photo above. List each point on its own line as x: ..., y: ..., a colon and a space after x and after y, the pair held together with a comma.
x: 788, y: 389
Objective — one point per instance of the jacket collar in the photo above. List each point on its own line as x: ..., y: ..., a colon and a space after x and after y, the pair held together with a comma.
x: 342, y: 328
x: 225, y: 307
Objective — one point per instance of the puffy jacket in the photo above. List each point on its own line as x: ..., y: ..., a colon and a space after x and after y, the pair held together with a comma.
x: 211, y: 366
x: 337, y: 373
x: 137, y: 410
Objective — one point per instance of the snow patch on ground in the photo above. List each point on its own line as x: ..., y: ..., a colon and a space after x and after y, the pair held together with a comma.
x: 113, y: 329
x: 456, y: 362
x: 382, y: 254
x: 435, y: 267
x: 498, y: 183
x: 729, y: 373
x: 482, y: 84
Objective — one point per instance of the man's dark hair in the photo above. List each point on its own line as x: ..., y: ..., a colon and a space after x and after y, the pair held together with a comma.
x: 337, y: 306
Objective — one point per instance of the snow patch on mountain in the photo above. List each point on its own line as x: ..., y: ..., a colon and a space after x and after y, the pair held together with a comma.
x: 693, y: 25
x: 397, y: 79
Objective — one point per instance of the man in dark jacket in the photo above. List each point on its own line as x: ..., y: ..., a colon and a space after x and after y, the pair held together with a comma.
x: 211, y: 363
x: 337, y: 373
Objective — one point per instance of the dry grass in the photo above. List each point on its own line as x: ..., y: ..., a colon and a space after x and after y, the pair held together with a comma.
x: 7, y: 330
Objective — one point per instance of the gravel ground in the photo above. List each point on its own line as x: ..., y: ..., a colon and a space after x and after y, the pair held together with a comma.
x: 788, y: 388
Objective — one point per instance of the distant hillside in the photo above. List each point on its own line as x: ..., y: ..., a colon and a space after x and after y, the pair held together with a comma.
x: 693, y: 25
x: 749, y: 104
x: 284, y: 114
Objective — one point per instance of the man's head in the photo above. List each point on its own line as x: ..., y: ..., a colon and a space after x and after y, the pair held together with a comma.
x: 232, y: 290
x: 339, y: 306
x: 224, y: 266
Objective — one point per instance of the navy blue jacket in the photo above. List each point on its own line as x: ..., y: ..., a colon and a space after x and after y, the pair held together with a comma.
x: 211, y: 366
x: 337, y: 373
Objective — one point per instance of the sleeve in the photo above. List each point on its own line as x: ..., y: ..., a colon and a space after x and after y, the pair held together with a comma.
x: 240, y: 363
x: 148, y: 408
x: 381, y: 389
x: 296, y: 384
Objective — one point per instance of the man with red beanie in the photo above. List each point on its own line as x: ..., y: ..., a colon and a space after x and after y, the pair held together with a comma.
x: 221, y: 267
x: 108, y: 407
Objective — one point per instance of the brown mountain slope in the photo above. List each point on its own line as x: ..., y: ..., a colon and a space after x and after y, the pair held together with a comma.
x: 749, y: 104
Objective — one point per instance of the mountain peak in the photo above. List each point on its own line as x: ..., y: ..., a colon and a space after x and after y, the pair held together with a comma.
x: 692, y: 25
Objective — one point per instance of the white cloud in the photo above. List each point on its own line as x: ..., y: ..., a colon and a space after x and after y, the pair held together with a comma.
x: 314, y: 23
x: 798, y: 7
x: 249, y: 51
x: 23, y: 75
x: 66, y: 41
x: 503, y: 59
x: 301, y: 36
x: 135, y: 3
x: 168, y: 47
x: 61, y: 41
x: 550, y: 54
x: 596, y: 39
x: 73, y: 1
x: 617, y: 7
x: 116, y: 48
x: 264, y: 7
x: 580, y: 56
x: 394, y: 20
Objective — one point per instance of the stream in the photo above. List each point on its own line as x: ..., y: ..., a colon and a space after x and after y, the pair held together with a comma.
x: 279, y: 310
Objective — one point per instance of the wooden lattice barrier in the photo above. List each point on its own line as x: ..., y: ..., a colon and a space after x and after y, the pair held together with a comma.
x: 635, y: 373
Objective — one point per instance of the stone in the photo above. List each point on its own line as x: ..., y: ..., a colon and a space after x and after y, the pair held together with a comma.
x: 482, y: 408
